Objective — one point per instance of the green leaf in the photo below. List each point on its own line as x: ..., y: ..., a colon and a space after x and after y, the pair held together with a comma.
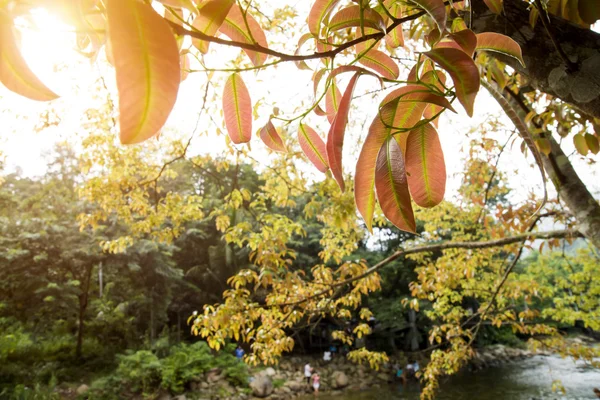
x: 392, y: 186
x: 146, y: 60
x: 580, y: 144
x: 592, y: 143
x: 494, y: 5
x: 237, y: 108
x: 425, y: 166
x: 463, y: 71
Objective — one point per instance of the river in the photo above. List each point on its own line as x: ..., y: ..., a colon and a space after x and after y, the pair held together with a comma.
x: 520, y: 380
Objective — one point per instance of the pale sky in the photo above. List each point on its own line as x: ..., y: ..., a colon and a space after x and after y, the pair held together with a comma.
x: 47, y: 51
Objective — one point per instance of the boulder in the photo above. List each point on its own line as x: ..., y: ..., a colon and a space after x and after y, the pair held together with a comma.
x: 214, y: 375
x: 261, y: 386
x: 83, y: 389
x: 180, y: 397
x: 295, y: 386
x: 339, y: 380
x: 270, y: 372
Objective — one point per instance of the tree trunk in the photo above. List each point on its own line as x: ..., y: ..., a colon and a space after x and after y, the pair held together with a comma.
x: 578, y: 83
x: 83, y: 303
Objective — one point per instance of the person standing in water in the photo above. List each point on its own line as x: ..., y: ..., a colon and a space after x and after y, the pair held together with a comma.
x: 316, y: 382
x: 307, y: 373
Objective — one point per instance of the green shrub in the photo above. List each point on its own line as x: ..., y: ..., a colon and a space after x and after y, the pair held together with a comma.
x: 140, y: 371
x: 184, y: 363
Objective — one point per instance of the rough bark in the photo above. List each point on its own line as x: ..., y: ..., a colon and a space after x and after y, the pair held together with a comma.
x: 546, y: 70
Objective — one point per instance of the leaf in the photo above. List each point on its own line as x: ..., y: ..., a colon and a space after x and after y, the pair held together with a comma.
x: 313, y: 146
x: 499, y: 43
x: 543, y: 145
x: 458, y: 24
x: 425, y: 166
x: 271, y: 138
x: 237, y: 108
x: 335, y: 138
x: 463, y: 71
x: 364, y: 179
x: 589, y: 11
x: 466, y: 39
x: 580, y: 144
x: 436, y: 9
x: 302, y: 64
x: 318, y: 12
x: 395, y: 37
x: 235, y: 28
x: 381, y: 63
x: 351, y: 17
x: 392, y: 187
x: 211, y: 16
x: 417, y: 94
x: 494, y: 5
x: 332, y: 100
x: 592, y: 143
x: 147, y: 64
x: 187, y: 4
x: 14, y: 72
x: 184, y: 62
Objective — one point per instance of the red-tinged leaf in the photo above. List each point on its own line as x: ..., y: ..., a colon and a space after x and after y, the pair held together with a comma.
x: 392, y: 187
x: 353, y: 68
x: 271, y: 138
x: 237, y: 108
x: 350, y: 17
x: 364, y: 179
x: 395, y: 37
x: 184, y: 61
x: 14, y: 72
x: 436, y: 9
x: 210, y: 17
x: 438, y: 79
x: 589, y: 11
x: 424, y: 66
x: 316, y: 78
x: 313, y: 147
x: 425, y: 166
x: 302, y: 64
x: 381, y: 63
x: 174, y: 15
x: 466, y: 39
x: 147, y: 64
x: 499, y: 43
x: 318, y: 12
x: 335, y: 138
x: 187, y: 4
x: 332, y: 100
x: 323, y: 47
x: 234, y: 27
x: 463, y: 71
x: 494, y: 5
x: 417, y: 94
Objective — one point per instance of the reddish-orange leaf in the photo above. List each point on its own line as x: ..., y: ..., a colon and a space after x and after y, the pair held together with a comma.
x: 494, y: 5
x: 318, y: 12
x: 302, y: 64
x: 425, y: 166
x: 184, y: 61
x: 187, y: 4
x: 417, y: 94
x: 313, y: 146
x: 364, y: 179
x: 392, y: 187
x: 466, y: 39
x: 436, y: 9
x: 350, y: 16
x: 437, y: 78
x: 381, y: 63
x: 14, y: 72
x: 332, y: 100
x: 271, y: 138
x: 497, y: 42
x: 335, y: 138
x: 234, y: 27
x: 210, y: 17
x: 147, y: 64
x: 237, y: 108
x: 463, y: 71
x: 395, y: 37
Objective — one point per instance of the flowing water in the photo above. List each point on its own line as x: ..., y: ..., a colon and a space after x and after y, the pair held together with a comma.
x: 520, y: 380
